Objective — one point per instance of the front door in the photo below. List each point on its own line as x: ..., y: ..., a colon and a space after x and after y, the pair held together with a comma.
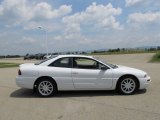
x: 87, y: 75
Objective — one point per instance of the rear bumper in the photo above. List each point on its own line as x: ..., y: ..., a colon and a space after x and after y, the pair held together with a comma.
x: 25, y: 82
x: 144, y: 82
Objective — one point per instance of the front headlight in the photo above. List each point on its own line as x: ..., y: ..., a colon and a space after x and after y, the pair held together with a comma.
x: 145, y: 75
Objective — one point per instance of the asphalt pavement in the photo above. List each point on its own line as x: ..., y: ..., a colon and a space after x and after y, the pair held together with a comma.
x: 22, y: 104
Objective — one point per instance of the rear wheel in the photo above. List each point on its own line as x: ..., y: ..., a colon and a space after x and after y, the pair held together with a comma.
x: 127, y: 85
x: 46, y: 87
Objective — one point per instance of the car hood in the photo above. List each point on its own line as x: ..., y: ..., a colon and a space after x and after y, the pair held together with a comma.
x: 129, y: 70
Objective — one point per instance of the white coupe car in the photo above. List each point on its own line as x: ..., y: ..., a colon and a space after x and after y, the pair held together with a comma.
x: 77, y: 72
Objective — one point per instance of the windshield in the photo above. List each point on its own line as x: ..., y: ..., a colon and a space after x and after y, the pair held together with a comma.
x: 103, y: 60
x: 38, y: 63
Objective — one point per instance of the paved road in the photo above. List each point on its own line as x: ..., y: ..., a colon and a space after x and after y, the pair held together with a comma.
x: 21, y: 104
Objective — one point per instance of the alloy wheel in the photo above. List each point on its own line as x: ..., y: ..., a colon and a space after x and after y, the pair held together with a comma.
x: 128, y: 85
x: 45, y: 88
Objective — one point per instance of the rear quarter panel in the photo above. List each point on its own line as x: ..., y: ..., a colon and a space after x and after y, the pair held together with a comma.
x: 62, y: 76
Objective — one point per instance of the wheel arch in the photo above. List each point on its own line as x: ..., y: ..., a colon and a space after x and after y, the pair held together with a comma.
x: 44, y: 77
x: 128, y: 75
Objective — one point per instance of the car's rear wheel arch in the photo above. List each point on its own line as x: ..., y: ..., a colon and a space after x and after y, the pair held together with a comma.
x: 43, y: 78
x: 129, y: 76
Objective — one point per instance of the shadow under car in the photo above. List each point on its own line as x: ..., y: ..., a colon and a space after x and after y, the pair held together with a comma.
x: 28, y: 93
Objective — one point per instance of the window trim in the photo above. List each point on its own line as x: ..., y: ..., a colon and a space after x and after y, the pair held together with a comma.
x: 72, y: 66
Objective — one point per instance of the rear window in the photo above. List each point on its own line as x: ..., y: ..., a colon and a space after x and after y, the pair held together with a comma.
x: 38, y: 63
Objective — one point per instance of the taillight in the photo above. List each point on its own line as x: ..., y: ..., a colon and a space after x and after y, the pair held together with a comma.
x: 19, y: 72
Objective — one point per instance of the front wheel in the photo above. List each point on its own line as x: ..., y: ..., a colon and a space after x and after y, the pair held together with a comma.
x: 46, y: 88
x: 127, y: 86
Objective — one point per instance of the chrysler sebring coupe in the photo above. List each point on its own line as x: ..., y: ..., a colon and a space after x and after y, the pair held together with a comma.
x: 78, y: 72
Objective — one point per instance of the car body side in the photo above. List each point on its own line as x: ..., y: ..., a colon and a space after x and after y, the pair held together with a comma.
x: 64, y: 78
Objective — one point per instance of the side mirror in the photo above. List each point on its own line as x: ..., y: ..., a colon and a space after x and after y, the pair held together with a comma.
x: 103, y: 68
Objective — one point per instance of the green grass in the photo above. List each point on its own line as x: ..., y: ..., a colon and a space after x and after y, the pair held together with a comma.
x: 156, y: 57
x: 8, y: 65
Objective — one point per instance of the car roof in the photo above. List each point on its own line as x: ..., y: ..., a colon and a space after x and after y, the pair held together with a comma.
x: 70, y: 55
x: 55, y: 57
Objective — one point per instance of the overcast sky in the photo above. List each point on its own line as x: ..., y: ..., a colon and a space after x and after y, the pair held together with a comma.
x: 73, y: 25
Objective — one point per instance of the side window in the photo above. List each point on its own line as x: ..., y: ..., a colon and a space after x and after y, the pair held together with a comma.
x: 85, y: 63
x: 62, y: 62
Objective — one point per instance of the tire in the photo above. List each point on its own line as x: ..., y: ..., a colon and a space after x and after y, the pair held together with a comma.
x: 46, y: 87
x: 127, y: 85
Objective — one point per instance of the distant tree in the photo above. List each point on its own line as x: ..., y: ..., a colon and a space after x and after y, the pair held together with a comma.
x: 110, y: 50
x: 95, y: 51
x: 152, y: 49
x: 68, y: 53
x: 118, y: 49
x: 123, y: 49
x: 53, y: 53
x: 83, y: 52
x: 114, y: 50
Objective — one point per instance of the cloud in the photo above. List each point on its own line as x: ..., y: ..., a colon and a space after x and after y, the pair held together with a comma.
x: 143, y: 3
x: 133, y: 2
x: 96, y: 26
x: 44, y: 11
x: 27, y: 40
x: 150, y: 17
x: 98, y: 16
x: 17, y: 12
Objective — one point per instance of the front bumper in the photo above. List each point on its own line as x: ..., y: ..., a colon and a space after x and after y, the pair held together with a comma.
x: 144, y: 82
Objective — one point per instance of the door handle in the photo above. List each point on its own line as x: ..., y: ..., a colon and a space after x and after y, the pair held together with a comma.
x: 74, y: 73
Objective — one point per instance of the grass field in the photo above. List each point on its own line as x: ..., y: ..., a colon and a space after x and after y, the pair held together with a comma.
x: 156, y: 58
x: 7, y: 65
